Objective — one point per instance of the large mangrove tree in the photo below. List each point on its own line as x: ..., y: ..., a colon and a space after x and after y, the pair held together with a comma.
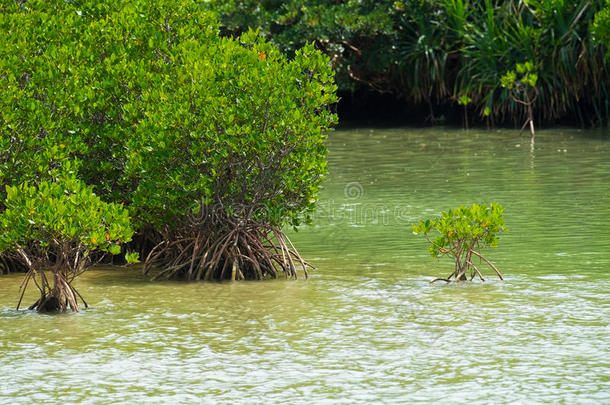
x: 212, y: 144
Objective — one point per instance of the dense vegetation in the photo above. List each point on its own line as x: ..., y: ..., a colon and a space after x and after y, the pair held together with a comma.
x: 601, y: 26
x: 459, y: 232
x: 212, y: 144
x: 441, y: 52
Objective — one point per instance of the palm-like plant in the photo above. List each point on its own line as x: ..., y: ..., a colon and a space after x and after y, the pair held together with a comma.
x: 436, y: 51
x: 424, y: 50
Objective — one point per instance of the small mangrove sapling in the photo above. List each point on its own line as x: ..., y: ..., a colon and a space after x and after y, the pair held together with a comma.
x: 462, y: 234
x: 465, y: 100
x: 522, y: 87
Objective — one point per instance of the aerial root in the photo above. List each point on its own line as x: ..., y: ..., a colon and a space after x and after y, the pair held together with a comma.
x: 440, y: 279
x: 459, y: 273
x: 59, y: 298
x: 475, y: 270
x: 241, y: 252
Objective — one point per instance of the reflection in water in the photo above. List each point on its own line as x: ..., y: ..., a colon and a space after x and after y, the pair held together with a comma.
x: 367, y: 327
x: 532, y: 151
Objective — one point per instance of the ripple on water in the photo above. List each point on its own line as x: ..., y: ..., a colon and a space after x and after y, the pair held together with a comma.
x: 367, y: 327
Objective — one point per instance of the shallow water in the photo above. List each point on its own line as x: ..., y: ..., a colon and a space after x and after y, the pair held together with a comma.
x: 366, y: 327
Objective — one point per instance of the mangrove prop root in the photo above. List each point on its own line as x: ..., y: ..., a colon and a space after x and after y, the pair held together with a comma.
x: 236, y: 250
x: 440, y: 279
x: 462, y: 267
x: 475, y: 270
x: 490, y: 264
x: 59, y: 298
x: 52, y: 274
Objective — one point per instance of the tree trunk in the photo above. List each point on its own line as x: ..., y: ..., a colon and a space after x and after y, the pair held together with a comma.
x: 60, y: 298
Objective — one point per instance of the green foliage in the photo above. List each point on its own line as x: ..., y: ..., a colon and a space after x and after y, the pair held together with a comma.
x: 460, y: 231
x: 143, y: 101
x: 521, y: 81
x: 354, y: 34
x: 425, y: 46
x: 71, y: 81
x: 571, y: 73
x: 230, y: 147
x: 464, y: 100
x: 132, y: 257
x: 54, y: 216
x: 522, y: 89
x: 601, y: 26
x: 433, y: 51
x: 235, y: 127
x: 58, y: 227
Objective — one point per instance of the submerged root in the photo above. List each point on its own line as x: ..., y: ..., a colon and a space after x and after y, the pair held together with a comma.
x: 249, y: 251
x: 461, y: 270
x: 440, y: 279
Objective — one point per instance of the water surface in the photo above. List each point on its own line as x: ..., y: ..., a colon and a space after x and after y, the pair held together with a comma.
x: 366, y: 327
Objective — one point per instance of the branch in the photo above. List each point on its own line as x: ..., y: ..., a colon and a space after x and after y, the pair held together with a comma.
x: 352, y: 47
x: 25, y: 256
x: 24, y: 285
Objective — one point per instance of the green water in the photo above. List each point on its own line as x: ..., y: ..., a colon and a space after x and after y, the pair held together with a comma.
x: 367, y: 327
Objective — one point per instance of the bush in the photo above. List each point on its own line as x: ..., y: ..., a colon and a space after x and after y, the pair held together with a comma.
x: 213, y: 144
x: 57, y: 227
x: 460, y: 232
x: 231, y: 150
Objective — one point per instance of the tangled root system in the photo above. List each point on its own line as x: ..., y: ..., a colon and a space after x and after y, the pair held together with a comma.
x: 244, y: 250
